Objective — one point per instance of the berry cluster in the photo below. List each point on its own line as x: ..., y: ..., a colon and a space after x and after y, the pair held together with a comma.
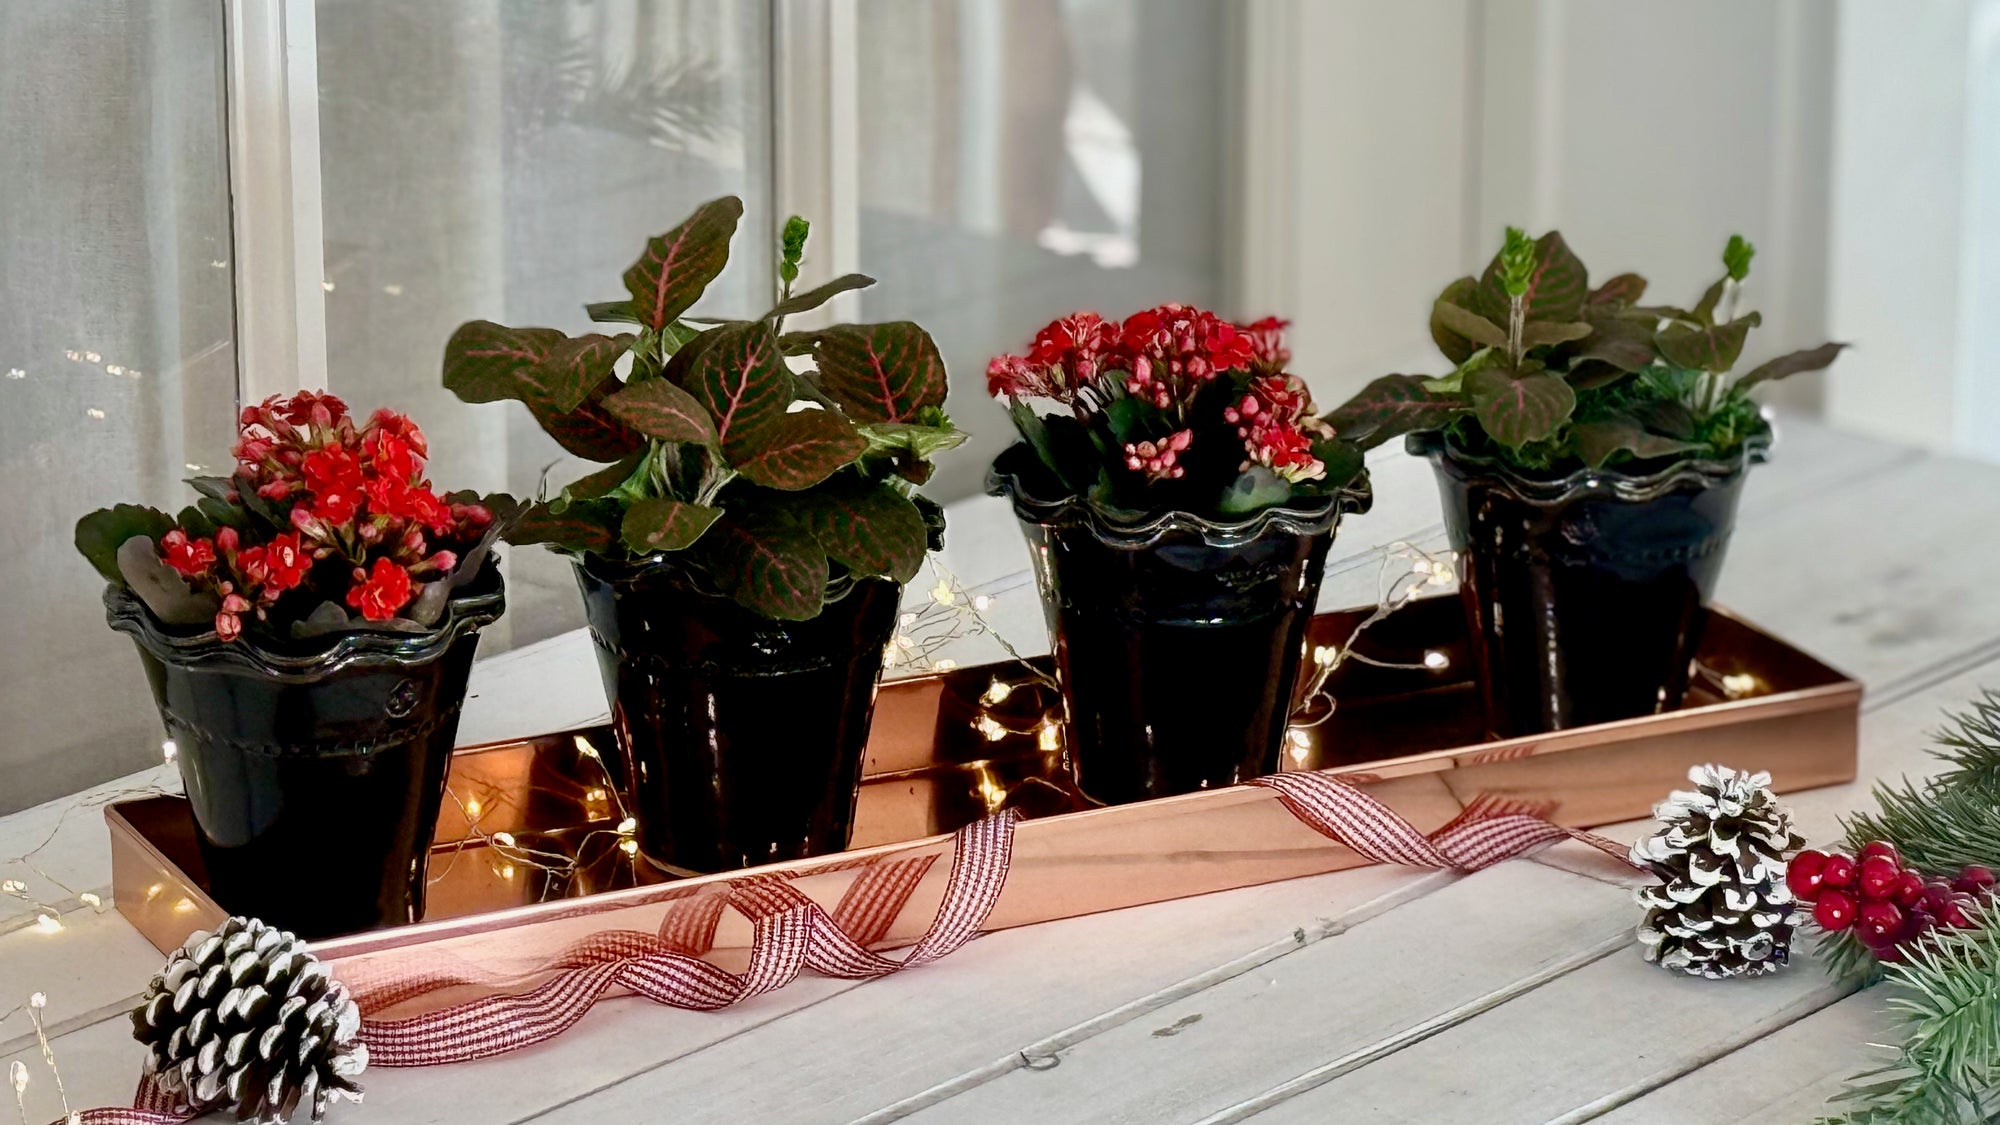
x: 1887, y: 903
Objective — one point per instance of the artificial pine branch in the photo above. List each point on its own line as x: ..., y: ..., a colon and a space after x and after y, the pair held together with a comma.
x: 1947, y: 1005
x: 1951, y: 820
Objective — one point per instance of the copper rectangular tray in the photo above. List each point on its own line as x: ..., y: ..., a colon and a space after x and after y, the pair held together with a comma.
x: 1412, y: 738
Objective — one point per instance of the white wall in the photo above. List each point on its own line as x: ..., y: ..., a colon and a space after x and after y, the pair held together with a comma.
x: 1646, y: 132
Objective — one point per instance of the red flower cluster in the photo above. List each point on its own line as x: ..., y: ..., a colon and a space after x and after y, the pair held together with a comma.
x: 355, y: 495
x: 1888, y: 904
x: 1275, y: 420
x: 1165, y: 357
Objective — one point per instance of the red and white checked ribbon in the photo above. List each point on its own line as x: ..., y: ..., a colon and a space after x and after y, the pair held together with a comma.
x: 1478, y: 837
x: 790, y: 932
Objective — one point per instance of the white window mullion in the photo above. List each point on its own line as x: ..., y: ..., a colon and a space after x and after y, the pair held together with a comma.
x: 274, y: 187
x: 815, y: 159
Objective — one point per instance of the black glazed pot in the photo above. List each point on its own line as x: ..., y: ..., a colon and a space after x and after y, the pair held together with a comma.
x: 1177, y: 639
x: 743, y: 735
x: 315, y: 773
x: 1585, y: 595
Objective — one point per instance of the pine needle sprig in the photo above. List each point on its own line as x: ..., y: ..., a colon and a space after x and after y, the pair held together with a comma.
x: 1946, y: 1003
x: 1943, y: 823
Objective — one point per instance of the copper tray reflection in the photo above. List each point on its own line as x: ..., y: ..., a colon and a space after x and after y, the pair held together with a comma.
x: 949, y: 748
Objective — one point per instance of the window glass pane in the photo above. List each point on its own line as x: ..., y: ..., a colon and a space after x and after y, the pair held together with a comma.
x: 1026, y: 158
x: 117, y: 363
x: 507, y: 161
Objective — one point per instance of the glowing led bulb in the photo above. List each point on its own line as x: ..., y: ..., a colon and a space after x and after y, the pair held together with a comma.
x: 472, y: 808
x: 504, y: 839
x: 982, y: 603
x: 169, y: 750
x: 945, y: 665
x: 48, y: 923
x: 629, y: 846
x: 942, y: 593
x: 1050, y: 737
x: 89, y: 899
x: 1436, y: 661
x: 18, y: 1075
x: 996, y: 692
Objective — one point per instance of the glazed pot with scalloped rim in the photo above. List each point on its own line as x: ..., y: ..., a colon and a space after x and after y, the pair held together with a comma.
x: 743, y: 736
x: 1585, y: 594
x: 1177, y: 639
x: 315, y: 771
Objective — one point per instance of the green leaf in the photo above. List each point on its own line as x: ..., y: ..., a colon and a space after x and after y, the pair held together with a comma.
x: 1709, y: 347
x: 795, y: 450
x: 880, y: 372
x: 1343, y: 459
x: 1515, y: 410
x: 678, y: 265
x: 819, y: 295
x: 102, y: 532
x: 1665, y: 416
x: 1704, y: 309
x: 215, y: 488
x: 584, y: 526
x: 868, y: 528
x: 1625, y: 289
x: 741, y: 380
x: 1811, y: 359
x: 660, y: 523
x: 768, y: 561
x: 1555, y: 289
x: 1131, y: 419
x: 1598, y: 442
x: 486, y: 362
x: 1390, y: 406
x: 1537, y: 333
x: 612, y: 312
x: 1460, y: 293
x: 659, y: 409
x: 601, y: 482
x: 1470, y: 325
x: 1594, y: 375
x: 924, y: 442
x: 1736, y: 256
x: 1256, y: 489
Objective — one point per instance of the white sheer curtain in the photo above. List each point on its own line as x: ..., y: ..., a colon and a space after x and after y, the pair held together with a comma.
x: 117, y: 366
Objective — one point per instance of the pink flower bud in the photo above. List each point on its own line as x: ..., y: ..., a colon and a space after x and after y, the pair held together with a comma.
x: 225, y: 538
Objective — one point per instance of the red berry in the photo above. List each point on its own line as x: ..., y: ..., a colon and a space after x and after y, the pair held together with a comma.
x: 1803, y: 874
x: 1834, y: 910
x: 1958, y: 912
x: 1909, y: 890
x: 1877, y: 877
x: 1975, y: 879
x: 1879, y: 919
x: 1937, y: 892
x: 1838, y: 872
x: 1883, y: 848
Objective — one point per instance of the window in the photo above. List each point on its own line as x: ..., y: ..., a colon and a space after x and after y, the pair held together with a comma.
x: 117, y: 361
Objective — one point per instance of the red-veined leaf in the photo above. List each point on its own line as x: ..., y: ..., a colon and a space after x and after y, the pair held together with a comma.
x: 584, y: 526
x: 740, y: 379
x: 869, y: 528
x: 1469, y: 324
x: 1455, y: 347
x: 1811, y: 359
x: 1537, y: 333
x: 658, y: 409
x: 819, y: 295
x: 880, y: 372
x: 1516, y: 410
x: 1625, y: 289
x: 661, y: 523
x: 1598, y: 442
x: 678, y: 265
x: 795, y: 450
x: 1556, y: 288
x: 768, y: 562
x: 1390, y: 406
x: 1708, y: 347
x: 486, y: 362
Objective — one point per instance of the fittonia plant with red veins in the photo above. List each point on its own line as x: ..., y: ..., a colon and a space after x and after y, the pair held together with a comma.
x: 761, y: 477
x: 1174, y: 409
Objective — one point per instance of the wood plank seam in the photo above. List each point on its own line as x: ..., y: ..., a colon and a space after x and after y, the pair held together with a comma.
x: 1414, y: 1034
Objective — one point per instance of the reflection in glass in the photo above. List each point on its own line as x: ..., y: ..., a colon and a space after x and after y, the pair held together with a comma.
x: 501, y: 161
x: 1025, y: 158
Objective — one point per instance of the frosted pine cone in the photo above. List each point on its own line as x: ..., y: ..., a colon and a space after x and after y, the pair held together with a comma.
x: 1722, y: 908
x: 246, y: 1018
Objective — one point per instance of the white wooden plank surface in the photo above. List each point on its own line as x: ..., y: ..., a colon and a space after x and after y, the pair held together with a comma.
x: 1856, y: 548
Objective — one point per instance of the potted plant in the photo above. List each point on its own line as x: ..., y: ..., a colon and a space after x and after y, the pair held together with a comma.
x: 741, y: 557
x: 1179, y: 514
x: 1590, y: 450
x: 308, y: 626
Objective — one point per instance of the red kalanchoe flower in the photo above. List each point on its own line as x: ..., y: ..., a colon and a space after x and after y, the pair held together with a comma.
x: 1078, y: 344
x: 334, y: 478
x: 402, y: 426
x: 284, y: 562
x: 1173, y: 349
x: 382, y: 593
x: 1281, y: 448
x: 229, y: 619
x: 190, y: 557
x: 315, y: 408
x: 1014, y: 376
x: 391, y: 455
x: 1159, y: 459
x: 1267, y: 344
